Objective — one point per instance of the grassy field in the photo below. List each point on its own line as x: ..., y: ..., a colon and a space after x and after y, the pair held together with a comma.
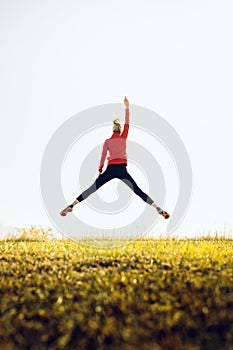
x: 151, y: 294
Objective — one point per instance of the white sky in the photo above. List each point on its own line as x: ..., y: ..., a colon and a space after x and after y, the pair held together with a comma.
x: 58, y: 58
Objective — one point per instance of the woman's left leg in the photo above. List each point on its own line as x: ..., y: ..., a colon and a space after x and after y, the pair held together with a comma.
x: 106, y: 176
x: 100, y: 181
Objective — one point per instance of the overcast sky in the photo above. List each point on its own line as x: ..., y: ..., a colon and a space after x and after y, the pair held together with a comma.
x: 61, y: 57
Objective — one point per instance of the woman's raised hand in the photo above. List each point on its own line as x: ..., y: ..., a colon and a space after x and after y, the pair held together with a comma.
x: 126, y: 102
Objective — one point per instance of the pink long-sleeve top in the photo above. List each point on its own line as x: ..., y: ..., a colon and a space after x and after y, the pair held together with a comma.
x: 116, y: 146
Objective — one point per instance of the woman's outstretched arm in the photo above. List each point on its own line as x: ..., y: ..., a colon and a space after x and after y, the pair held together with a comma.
x: 126, y: 126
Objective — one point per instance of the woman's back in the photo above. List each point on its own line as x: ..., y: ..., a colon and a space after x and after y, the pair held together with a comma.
x: 116, y: 146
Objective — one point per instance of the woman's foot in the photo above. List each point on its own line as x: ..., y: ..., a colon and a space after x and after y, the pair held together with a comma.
x: 67, y: 210
x: 163, y: 213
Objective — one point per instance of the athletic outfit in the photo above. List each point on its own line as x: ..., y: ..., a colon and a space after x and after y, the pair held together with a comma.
x: 116, y: 145
x: 116, y: 168
x: 117, y: 163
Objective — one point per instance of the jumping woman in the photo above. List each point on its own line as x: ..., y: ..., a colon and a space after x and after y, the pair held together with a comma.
x: 116, y: 168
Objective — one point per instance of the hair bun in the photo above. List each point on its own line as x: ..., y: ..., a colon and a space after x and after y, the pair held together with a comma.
x: 116, y: 122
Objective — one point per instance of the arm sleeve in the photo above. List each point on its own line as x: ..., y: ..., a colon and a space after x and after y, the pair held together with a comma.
x: 126, y: 126
x: 103, y: 156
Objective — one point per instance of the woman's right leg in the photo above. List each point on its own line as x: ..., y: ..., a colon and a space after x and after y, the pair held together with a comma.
x: 128, y: 180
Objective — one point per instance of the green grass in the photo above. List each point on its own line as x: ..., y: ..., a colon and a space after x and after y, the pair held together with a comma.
x: 150, y: 294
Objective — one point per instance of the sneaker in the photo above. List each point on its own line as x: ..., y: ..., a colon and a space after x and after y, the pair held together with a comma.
x: 163, y: 213
x: 67, y: 210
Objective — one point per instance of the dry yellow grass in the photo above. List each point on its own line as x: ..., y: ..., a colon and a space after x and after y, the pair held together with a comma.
x: 150, y: 294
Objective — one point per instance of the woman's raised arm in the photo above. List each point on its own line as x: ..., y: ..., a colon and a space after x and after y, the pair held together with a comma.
x: 126, y: 102
x: 126, y: 126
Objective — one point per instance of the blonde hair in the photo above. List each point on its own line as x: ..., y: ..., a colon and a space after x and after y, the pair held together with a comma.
x: 116, y: 125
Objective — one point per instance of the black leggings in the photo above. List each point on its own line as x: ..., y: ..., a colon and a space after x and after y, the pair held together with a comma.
x: 115, y: 171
